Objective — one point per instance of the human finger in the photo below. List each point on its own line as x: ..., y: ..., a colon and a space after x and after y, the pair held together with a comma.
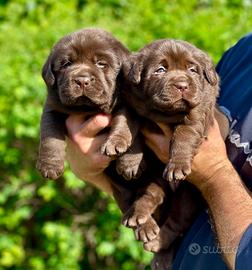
x: 159, y: 144
x: 78, y: 126
x: 166, y: 129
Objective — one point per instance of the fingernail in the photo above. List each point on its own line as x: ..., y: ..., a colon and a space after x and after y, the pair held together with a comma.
x: 103, y: 119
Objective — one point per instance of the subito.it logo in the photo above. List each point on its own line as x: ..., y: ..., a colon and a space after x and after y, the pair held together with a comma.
x: 194, y: 249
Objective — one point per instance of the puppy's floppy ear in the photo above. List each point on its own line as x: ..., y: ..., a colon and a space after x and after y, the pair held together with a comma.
x: 47, y: 72
x: 135, y: 68
x: 208, y: 68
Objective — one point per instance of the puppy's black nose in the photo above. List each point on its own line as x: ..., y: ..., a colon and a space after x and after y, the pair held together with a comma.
x: 84, y: 81
x: 181, y: 86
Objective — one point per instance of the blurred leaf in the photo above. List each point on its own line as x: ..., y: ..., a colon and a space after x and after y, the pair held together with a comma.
x: 106, y: 249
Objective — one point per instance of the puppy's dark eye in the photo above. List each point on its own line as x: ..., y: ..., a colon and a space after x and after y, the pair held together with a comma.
x: 65, y: 63
x: 160, y: 70
x: 101, y: 64
x: 193, y: 69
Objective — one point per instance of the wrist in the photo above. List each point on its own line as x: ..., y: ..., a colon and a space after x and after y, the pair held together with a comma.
x: 91, y: 176
x: 99, y: 180
x: 216, y: 177
x: 206, y: 177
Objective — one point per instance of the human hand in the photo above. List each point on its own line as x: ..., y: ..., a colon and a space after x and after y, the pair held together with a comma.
x: 83, y: 146
x: 159, y: 143
x: 211, y: 156
x: 210, y: 159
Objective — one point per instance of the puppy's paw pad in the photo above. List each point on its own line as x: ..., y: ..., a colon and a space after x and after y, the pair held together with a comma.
x: 147, y: 231
x: 127, y: 173
x: 132, y: 171
x: 134, y: 218
x: 153, y: 245
x: 114, y: 146
x: 176, y: 171
x: 50, y: 170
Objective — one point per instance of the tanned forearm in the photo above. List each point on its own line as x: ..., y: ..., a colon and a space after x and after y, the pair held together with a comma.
x: 231, y: 208
x: 100, y: 181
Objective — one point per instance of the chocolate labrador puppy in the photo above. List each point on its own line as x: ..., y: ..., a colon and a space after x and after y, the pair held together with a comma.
x: 175, y: 83
x: 83, y: 74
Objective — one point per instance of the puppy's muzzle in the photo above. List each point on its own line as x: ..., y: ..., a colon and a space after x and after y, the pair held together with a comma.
x: 181, y: 86
x: 84, y: 81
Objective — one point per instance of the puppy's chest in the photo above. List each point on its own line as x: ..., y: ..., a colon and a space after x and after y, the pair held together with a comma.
x: 90, y: 107
x: 143, y: 106
x: 171, y: 118
x: 74, y: 109
x: 155, y: 115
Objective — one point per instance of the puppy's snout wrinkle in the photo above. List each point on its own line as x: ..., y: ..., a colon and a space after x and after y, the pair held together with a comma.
x: 181, y: 86
x: 84, y: 81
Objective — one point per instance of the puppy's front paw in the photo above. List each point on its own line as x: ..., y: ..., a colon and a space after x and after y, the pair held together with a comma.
x: 176, y: 171
x: 154, y: 245
x: 115, y: 145
x: 133, y: 218
x: 130, y: 170
x: 50, y: 169
x: 147, y: 231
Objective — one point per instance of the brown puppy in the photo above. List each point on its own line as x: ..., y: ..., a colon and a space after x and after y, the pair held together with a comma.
x: 83, y: 74
x: 175, y: 83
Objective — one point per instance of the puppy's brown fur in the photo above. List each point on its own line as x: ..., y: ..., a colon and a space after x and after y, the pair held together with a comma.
x: 175, y: 83
x: 83, y: 74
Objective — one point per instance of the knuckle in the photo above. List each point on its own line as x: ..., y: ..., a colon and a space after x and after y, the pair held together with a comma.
x: 80, y: 143
x: 84, y: 149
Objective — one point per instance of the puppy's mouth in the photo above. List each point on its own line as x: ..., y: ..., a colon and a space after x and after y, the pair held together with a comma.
x: 101, y: 102
x: 167, y: 106
x: 74, y: 95
x: 168, y: 100
x: 187, y: 103
x: 171, y: 99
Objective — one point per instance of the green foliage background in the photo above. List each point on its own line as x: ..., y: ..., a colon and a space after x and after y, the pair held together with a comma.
x: 66, y: 224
